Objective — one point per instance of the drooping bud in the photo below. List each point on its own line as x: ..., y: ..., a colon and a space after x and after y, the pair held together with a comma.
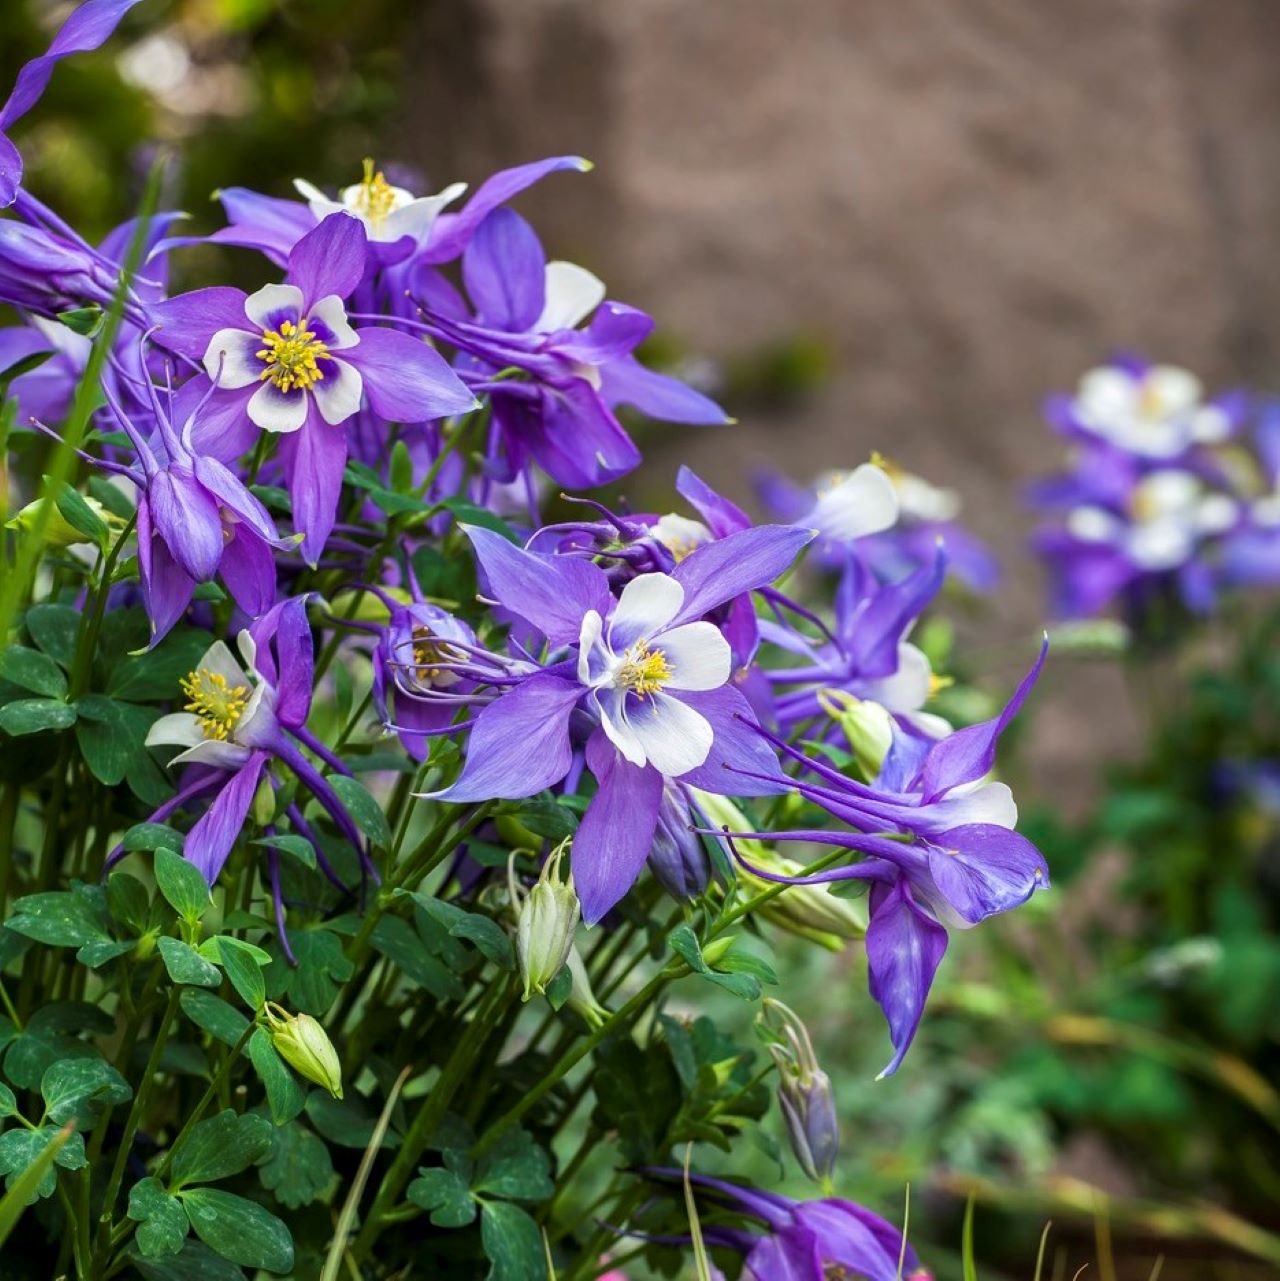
x: 677, y: 858
x: 264, y: 802
x: 867, y: 725
x: 546, y: 917
x: 813, y: 912
x: 58, y: 530
x: 804, y: 1092
x: 305, y: 1046
x: 582, y: 1000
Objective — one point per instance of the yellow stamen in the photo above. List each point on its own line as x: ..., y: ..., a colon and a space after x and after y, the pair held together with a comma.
x: 290, y: 355
x: 218, y: 706
x: 430, y: 654
x: 375, y: 198
x: 937, y: 683
x: 644, y: 670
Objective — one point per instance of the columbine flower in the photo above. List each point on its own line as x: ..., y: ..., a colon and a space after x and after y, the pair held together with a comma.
x: 305, y: 1046
x: 651, y: 678
x: 236, y: 721
x: 804, y: 1092
x: 86, y: 28
x: 526, y: 313
x: 287, y: 360
x: 941, y: 849
x: 806, y: 1240
x: 1149, y: 411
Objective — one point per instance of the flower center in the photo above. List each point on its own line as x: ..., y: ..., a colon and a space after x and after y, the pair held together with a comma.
x: 290, y: 354
x: 644, y: 670
x: 375, y: 197
x: 217, y: 705
x: 430, y: 656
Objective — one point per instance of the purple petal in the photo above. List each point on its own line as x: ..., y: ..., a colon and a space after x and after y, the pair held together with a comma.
x: 552, y: 593
x: 616, y: 832
x: 222, y: 428
x: 166, y: 587
x: 969, y: 753
x: 230, y: 492
x: 854, y: 1239
x: 741, y: 562
x: 722, y: 517
x: 266, y: 223
x: 904, y: 949
x: 504, y: 270
x: 982, y: 869
x: 188, y: 520
x: 405, y: 380
x: 628, y: 382
x: 873, y: 630
x: 451, y: 233
x: 10, y: 171
x: 739, y: 754
x: 209, y: 842
x: 520, y: 742
x: 190, y: 320
x: 286, y: 657
x: 791, y: 1255
x: 314, y: 459
x: 249, y: 571
x: 330, y: 259
x: 615, y: 330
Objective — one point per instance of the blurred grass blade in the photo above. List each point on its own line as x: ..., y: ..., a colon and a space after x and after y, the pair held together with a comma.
x: 14, y: 1202
x: 966, y: 1242
x: 342, y: 1231
x: 702, y: 1264
x: 906, y: 1225
x: 1044, y: 1241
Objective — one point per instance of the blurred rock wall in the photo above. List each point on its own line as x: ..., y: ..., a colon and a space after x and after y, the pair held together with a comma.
x: 970, y: 201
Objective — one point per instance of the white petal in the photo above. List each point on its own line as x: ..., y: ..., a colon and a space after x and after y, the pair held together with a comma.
x: 415, y: 217
x: 339, y: 392
x: 1106, y: 392
x: 231, y: 359
x: 330, y: 312
x: 1172, y: 390
x: 674, y: 737
x: 276, y: 410
x: 220, y: 660
x: 214, y: 752
x: 594, y: 660
x: 907, y: 689
x: 572, y: 294
x: 274, y: 304
x: 309, y: 191
x: 613, y: 720
x: 865, y: 502
x: 258, y: 725
x: 680, y: 535
x: 248, y: 648
x: 698, y: 655
x: 181, y: 729
x: 976, y: 803
x: 647, y: 604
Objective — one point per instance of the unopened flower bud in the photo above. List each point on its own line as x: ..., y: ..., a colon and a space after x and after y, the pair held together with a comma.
x: 264, y: 803
x: 582, y: 1000
x: 677, y: 858
x: 58, y: 531
x: 305, y: 1046
x: 546, y: 918
x: 867, y: 725
x: 804, y: 1093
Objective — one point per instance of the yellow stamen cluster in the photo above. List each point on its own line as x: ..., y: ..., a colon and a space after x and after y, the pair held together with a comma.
x: 938, y: 683
x: 217, y: 705
x: 644, y: 671
x: 886, y: 465
x: 375, y: 198
x: 290, y: 355
x: 429, y: 653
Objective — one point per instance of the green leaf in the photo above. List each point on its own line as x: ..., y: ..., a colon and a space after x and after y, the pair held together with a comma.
x: 244, y: 970
x: 49, y: 1036
x: 548, y: 819
x: 111, y: 735
x: 295, y: 846
x: 366, y: 812
x: 61, y: 918
x: 153, y: 836
x: 285, y: 1096
x: 299, y: 1169
x: 161, y: 1218
x: 745, y: 986
x: 196, y: 1262
x: 311, y: 985
x: 400, y: 469
x: 77, y: 512
x: 8, y: 1103
x: 78, y: 1089
x: 182, y: 885
x: 399, y: 943
x: 344, y: 1121
x: 31, y: 715
x: 128, y: 902
x: 445, y: 1194
x: 239, y: 1229
x: 20, y: 1149
x: 469, y: 514
x: 85, y: 321
x: 32, y: 670
x: 116, y: 501
x: 560, y: 989
x: 186, y: 965
x: 516, y: 1169
x: 512, y: 1242
x: 141, y: 678
x: 55, y: 628
x: 482, y: 931
x: 25, y: 1188
x: 214, y: 1015
x: 220, y: 1147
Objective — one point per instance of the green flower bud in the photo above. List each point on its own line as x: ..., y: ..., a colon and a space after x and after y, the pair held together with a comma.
x: 305, y: 1046
x: 582, y: 1000
x: 804, y: 1092
x: 264, y: 803
x: 546, y: 918
x: 866, y: 725
x: 58, y: 531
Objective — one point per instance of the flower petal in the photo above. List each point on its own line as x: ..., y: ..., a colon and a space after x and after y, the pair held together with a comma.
x: 177, y: 728
x: 982, y: 869
x: 571, y: 294
x: 740, y: 562
x: 330, y: 259
x: 314, y: 459
x: 274, y: 305
x: 187, y: 322
x: 864, y: 502
x: 646, y: 605
x: 231, y: 359
x: 328, y: 320
x: 210, y: 840
x: 339, y: 392
x: 669, y: 734
x: 406, y: 380
x: 504, y: 270
x: 278, y: 411
x: 697, y: 654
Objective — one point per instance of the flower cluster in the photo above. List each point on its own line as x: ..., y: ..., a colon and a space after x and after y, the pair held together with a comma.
x: 361, y: 474
x: 1171, y: 496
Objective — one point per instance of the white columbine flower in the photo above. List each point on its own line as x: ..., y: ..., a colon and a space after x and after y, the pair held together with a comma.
x: 388, y: 213
x: 1156, y: 413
